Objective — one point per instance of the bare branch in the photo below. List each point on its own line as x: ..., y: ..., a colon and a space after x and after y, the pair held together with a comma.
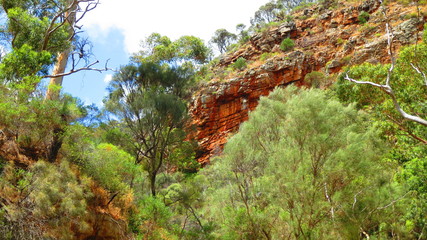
x: 393, y: 202
x: 403, y: 113
x: 420, y: 72
x: 87, y: 68
x: 363, y: 82
x: 92, y: 4
x: 68, y: 14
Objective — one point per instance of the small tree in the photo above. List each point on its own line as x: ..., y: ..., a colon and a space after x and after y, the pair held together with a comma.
x: 223, y: 38
x: 287, y: 44
x: 242, y: 33
x: 148, y: 96
x: 160, y: 49
x: 240, y: 63
x: 315, y: 79
x: 266, y: 13
x: 363, y: 17
x: 147, y: 99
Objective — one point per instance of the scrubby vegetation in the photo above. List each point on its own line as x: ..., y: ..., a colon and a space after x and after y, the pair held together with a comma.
x: 287, y: 44
x: 334, y: 161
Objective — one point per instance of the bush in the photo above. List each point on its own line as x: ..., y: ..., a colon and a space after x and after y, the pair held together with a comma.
x: 240, y: 64
x: 46, y: 201
x: 267, y: 55
x: 315, y: 79
x: 111, y: 167
x: 363, y: 17
x: 287, y: 44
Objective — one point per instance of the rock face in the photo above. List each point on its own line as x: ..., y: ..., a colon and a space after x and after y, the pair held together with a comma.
x: 325, y: 40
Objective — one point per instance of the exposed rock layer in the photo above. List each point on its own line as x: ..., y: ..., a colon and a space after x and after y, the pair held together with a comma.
x: 326, y: 40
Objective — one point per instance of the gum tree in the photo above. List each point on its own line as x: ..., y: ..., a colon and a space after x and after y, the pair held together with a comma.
x: 148, y: 95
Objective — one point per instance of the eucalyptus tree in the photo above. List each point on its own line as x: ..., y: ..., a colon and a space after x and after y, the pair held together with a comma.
x: 148, y: 95
x: 222, y: 39
x: 38, y: 35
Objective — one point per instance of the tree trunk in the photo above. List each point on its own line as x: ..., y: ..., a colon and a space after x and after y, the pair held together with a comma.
x: 56, y: 144
x: 153, y: 184
x: 56, y: 82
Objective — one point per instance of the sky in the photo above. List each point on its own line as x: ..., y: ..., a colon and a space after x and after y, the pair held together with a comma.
x: 116, y: 28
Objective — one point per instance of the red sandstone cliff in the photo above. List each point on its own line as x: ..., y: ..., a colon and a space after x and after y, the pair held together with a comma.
x: 326, y: 40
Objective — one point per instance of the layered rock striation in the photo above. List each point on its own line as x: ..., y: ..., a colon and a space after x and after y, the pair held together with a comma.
x: 326, y: 37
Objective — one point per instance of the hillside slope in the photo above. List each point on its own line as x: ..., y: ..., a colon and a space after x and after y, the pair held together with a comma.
x: 327, y: 38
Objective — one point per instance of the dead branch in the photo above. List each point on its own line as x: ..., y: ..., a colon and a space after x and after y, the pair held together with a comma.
x: 67, y: 15
x: 87, y: 68
x: 420, y: 72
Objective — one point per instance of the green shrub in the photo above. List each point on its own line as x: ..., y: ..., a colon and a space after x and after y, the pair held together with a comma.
x: 111, y: 167
x: 340, y: 41
x: 287, y: 44
x: 47, y: 201
x: 315, y: 79
x: 267, y: 55
x: 411, y: 15
x: 425, y: 33
x: 363, y: 17
x: 240, y: 64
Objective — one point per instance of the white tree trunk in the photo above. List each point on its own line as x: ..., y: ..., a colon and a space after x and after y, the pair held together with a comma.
x: 56, y: 82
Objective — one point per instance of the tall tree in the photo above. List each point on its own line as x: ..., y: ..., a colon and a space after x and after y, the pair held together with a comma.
x: 148, y: 95
x: 144, y: 98
x: 68, y: 16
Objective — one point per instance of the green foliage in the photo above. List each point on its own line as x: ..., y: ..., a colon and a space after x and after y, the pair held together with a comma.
x: 340, y: 41
x: 112, y: 168
x: 303, y: 5
x: 267, y: 55
x: 425, y: 34
x: 316, y: 79
x: 287, y: 44
x: 153, y: 220
x: 318, y: 153
x: 193, y: 48
x: 243, y: 34
x: 406, y: 136
x: 24, y: 62
x: 49, y: 196
x: 363, y: 17
x: 240, y: 64
x: 29, y: 29
x: 161, y: 49
x: 58, y: 186
x: 149, y: 99
x: 223, y: 39
x: 363, y: 95
x: 266, y: 13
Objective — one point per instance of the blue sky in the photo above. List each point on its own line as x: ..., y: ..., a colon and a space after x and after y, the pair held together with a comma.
x: 116, y: 29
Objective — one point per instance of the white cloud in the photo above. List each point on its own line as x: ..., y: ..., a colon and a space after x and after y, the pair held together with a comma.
x: 137, y: 19
x: 108, y: 78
